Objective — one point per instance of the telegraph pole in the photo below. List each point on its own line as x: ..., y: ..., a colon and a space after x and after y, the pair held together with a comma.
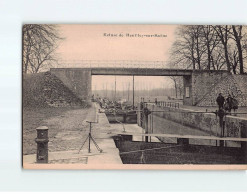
x: 128, y: 91
x: 133, y: 92
x: 115, y: 88
x: 106, y: 90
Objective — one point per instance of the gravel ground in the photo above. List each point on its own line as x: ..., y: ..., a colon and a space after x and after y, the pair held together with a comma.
x: 66, y: 127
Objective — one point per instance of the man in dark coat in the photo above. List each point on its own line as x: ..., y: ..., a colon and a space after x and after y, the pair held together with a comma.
x: 220, y: 101
x: 229, y: 102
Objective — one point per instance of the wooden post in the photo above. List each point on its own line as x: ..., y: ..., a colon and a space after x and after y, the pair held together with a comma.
x: 243, y: 130
x: 146, y: 112
x: 89, y: 136
x: 221, y: 114
x: 183, y: 141
x: 146, y: 127
x: 127, y: 137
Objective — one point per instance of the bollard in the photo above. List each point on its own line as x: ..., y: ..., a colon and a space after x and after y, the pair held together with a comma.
x: 42, y: 144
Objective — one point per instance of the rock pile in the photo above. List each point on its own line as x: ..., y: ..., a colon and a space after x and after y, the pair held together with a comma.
x: 46, y: 90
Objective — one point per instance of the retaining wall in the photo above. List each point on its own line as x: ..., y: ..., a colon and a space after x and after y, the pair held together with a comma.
x: 235, y: 85
x: 202, y: 82
x: 206, y: 122
x: 77, y: 80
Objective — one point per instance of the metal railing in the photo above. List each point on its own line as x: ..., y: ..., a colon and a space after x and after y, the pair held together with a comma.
x: 168, y: 104
x: 111, y: 64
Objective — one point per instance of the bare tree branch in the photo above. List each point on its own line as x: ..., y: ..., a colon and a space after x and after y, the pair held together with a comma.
x: 39, y: 45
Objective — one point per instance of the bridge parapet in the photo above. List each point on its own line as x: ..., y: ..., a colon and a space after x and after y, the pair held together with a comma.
x: 112, y: 64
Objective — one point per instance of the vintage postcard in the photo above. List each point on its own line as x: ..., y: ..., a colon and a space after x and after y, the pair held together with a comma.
x: 134, y: 96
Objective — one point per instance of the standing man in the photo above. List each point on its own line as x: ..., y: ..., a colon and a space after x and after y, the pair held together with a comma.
x: 229, y: 102
x: 220, y: 100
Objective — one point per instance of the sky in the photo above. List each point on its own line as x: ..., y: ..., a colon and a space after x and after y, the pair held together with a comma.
x: 116, y: 42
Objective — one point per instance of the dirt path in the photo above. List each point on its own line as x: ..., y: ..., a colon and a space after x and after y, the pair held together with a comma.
x: 72, y: 130
x: 66, y: 128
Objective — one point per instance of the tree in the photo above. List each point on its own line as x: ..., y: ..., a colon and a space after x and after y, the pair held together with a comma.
x: 210, y: 40
x: 217, y: 58
x: 234, y: 60
x: 223, y: 33
x: 216, y: 47
x: 199, y: 46
x: 237, y: 34
x: 188, y: 47
x: 182, y: 51
x: 233, y: 40
x: 39, y: 45
x: 178, y: 85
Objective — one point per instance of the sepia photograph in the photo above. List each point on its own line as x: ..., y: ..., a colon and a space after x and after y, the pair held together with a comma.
x: 134, y: 96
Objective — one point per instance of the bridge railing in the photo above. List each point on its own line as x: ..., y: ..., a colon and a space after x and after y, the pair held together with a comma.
x: 168, y: 104
x: 111, y: 64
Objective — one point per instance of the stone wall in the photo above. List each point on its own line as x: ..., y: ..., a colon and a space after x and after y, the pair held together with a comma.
x: 236, y: 85
x: 187, y: 100
x: 56, y: 94
x: 77, y: 80
x: 206, y: 122
x: 203, y: 82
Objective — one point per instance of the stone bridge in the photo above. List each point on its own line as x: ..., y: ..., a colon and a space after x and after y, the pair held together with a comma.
x: 196, y: 83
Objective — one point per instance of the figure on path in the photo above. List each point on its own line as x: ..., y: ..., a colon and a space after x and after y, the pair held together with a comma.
x: 228, y: 105
x: 220, y: 100
x: 231, y: 103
